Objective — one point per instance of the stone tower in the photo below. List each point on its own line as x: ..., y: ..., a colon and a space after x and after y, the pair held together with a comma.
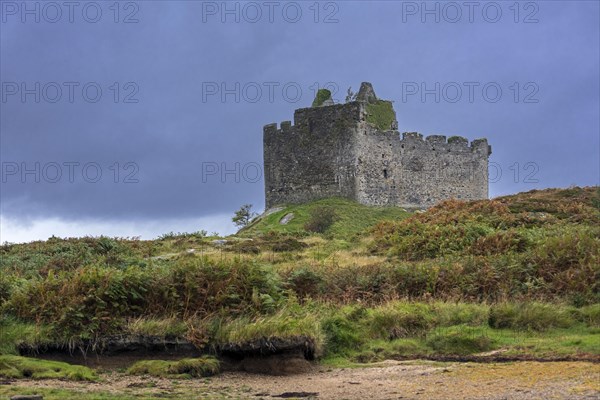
x: 355, y: 151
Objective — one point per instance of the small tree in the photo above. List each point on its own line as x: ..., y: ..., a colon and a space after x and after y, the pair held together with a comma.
x: 243, y: 216
x: 350, y: 96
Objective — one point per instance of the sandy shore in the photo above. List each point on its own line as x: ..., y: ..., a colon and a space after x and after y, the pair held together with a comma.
x: 387, y: 380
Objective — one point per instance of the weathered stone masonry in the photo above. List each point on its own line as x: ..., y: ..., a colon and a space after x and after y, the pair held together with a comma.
x: 341, y: 150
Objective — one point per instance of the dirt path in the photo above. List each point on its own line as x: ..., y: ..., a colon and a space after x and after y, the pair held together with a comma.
x: 389, y: 380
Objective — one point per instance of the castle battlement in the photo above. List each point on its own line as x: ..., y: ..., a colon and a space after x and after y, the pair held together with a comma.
x: 355, y: 150
x: 453, y: 143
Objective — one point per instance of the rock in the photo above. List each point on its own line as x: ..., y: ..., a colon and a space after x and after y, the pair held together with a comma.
x: 271, y: 211
x: 286, y: 218
x: 328, y: 102
x: 219, y: 242
x: 366, y: 93
x: 289, y: 395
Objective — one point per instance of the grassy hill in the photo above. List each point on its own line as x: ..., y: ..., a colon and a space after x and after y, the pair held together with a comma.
x: 351, y: 218
x: 519, y: 274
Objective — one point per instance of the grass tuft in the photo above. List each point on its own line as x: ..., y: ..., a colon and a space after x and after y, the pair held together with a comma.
x: 165, y: 327
x: 461, y: 342
x: 181, y: 369
x: 282, y: 325
x: 530, y: 316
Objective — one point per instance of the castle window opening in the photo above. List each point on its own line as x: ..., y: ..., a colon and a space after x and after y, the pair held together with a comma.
x: 385, y: 174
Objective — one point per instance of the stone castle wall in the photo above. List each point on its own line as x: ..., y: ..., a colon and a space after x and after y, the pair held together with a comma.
x: 416, y: 172
x: 332, y: 151
x: 314, y: 157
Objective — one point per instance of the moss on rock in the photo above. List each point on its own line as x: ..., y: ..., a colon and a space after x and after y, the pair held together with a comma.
x: 322, y: 96
x: 381, y: 114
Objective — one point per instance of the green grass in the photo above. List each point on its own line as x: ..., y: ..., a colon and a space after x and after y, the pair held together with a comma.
x: 352, y: 218
x: 181, y: 369
x: 285, y: 324
x: 161, y: 327
x: 459, y: 343
x: 381, y: 114
x: 17, y: 367
x: 14, y: 333
x: 590, y: 315
x: 463, y: 340
x: 530, y: 316
x: 412, y: 330
x: 450, y: 314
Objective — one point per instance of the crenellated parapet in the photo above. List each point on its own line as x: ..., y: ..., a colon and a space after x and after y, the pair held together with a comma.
x: 443, y: 143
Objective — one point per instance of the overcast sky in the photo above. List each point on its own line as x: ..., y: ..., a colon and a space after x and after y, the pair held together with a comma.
x: 120, y: 120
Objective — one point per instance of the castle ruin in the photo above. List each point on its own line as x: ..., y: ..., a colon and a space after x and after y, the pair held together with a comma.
x: 355, y: 151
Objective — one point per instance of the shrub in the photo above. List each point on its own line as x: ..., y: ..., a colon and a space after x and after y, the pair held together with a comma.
x: 451, y: 227
x: 449, y: 314
x: 370, y: 283
x: 590, y: 315
x: 459, y: 343
x: 285, y: 324
x: 341, y: 334
x: 399, y: 320
x: 245, y: 246
x: 271, y: 241
x: 412, y: 280
x: 320, y: 219
x: 570, y: 248
x: 286, y: 244
x: 305, y: 282
x: 7, y: 285
x: 500, y: 242
x: 164, y: 327
x: 84, y: 303
x: 194, y: 287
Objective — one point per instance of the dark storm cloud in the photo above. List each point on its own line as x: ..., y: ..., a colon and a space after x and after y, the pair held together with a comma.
x: 171, y: 133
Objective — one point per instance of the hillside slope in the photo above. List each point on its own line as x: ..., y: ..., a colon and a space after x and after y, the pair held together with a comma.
x: 519, y: 274
x: 351, y: 218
